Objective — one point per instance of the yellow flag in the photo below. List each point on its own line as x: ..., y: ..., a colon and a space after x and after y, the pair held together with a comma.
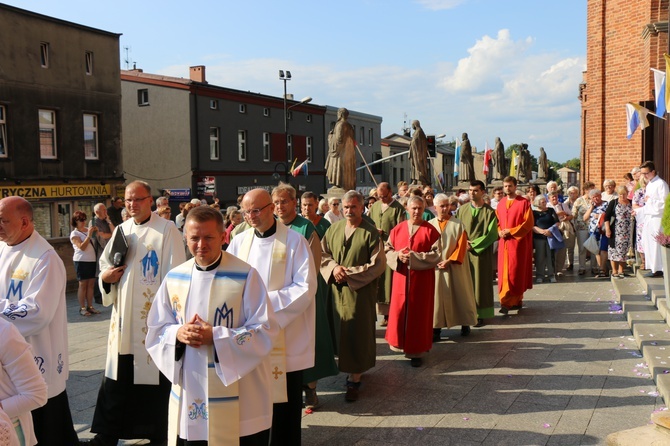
x: 512, y: 166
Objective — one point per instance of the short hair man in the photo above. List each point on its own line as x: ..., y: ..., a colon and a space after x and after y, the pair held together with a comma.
x: 386, y: 213
x: 285, y: 263
x: 515, y: 249
x: 309, y: 204
x: 498, y: 194
x: 105, y: 227
x: 284, y: 199
x: 412, y: 251
x: 114, y: 211
x: 132, y: 383
x: 162, y: 201
x: 214, y: 309
x: 481, y: 226
x: 651, y: 213
x: 32, y: 298
x: 353, y: 259
x: 402, y: 188
x: 454, y: 294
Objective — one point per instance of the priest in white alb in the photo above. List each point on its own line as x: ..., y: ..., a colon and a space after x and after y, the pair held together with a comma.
x: 211, y: 329
x: 284, y: 261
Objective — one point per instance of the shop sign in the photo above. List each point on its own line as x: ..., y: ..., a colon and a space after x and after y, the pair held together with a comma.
x: 60, y: 191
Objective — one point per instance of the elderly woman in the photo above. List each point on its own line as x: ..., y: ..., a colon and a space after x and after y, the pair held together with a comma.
x: 592, y: 216
x: 22, y: 387
x: 638, y: 202
x: 618, y: 218
x: 165, y: 212
x: 573, y: 195
x: 334, y: 213
x: 608, y: 193
x: 564, y: 214
x: 84, y: 258
x: 579, y: 208
x: 323, y: 207
x: 532, y: 192
x: 545, y: 218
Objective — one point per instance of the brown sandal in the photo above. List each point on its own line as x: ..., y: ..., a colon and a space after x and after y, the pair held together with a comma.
x: 84, y: 312
x: 92, y: 310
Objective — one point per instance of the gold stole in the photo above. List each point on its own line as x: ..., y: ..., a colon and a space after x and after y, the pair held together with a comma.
x: 276, y: 282
x: 223, y: 401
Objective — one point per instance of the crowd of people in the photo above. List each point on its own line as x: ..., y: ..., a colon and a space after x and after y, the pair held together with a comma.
x: 235, y: 314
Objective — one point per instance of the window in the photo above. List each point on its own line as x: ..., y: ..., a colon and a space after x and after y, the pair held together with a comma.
x: 143, y: 97
x: 266, y: 146
x: 3, y: 132
x: 289, y: 115
x: 243, y: 108
x: 47, y: 120
x: 89, y: 62
x: 289, y: 147
x: 91, y: 137
x: 266, y: 111
x: 242, y: 145
x: 370, y: 136
x: 214, y: 143
x: 309, y: 117
x: 213, y: 104
x: 362, y: 137
x: 44, y: 54
x: 308, y: 150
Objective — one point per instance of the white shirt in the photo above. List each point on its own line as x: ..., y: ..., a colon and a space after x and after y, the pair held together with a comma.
x: 88, y: 254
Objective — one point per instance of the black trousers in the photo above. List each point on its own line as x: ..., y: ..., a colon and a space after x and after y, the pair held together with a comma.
x: 258, y: 439
x: 286, y: 417
x: 53, y: 423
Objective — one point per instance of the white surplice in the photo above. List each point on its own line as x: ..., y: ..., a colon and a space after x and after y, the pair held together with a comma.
x: 651, y: 213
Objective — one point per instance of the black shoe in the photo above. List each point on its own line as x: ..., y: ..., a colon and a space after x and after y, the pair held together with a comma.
x: 656, y: 274
x: 436, y: 334
x: 503, y: 310
x: 100, y: 440
x: 352, y: 391
x: 465, y: 330
x: 516, y: 307
x: 416, y: 362
x: 480, y: 323
x: 570, y: 268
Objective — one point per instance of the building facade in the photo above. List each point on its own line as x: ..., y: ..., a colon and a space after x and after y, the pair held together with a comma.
x: 624, y: 40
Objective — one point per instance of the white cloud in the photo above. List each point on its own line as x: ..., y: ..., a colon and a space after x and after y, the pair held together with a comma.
x: 438, y: 5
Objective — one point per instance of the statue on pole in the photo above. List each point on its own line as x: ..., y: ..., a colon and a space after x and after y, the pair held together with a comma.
x: 466, y: 170
x: 542, y: 166
x: 341, y: 161
x: 418, y: 156
x: 499, y: 161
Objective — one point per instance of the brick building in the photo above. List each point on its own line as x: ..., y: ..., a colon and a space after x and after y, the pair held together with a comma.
x: 624, y: 40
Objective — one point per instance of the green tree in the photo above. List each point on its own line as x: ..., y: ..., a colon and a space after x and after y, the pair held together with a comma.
x: 574, y: 163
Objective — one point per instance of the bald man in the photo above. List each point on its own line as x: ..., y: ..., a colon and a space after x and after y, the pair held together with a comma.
x: 284, y: 261
x: 32, y: 298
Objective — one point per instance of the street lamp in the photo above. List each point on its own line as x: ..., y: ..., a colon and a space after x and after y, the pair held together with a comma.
x: 286, y: 76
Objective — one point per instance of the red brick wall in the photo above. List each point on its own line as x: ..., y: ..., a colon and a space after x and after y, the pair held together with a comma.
x: 618, y: 61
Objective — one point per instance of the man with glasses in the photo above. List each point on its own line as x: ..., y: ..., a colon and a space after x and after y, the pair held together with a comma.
x: 651, y: 213
x: 284, y: 260
x: 133, y: 398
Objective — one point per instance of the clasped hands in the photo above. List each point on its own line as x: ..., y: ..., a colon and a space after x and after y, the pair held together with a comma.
x: 195, y: 332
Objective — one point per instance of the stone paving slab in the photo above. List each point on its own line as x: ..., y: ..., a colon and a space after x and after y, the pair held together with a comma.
x: 558, y: 372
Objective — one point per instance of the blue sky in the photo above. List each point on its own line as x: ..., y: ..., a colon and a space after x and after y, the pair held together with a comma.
x: 507, y: 68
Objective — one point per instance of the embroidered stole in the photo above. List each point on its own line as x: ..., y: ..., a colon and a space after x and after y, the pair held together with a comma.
x: 15, y: 285
x: 138, y: 286
x: 225, y: 308
x: 276, y: 282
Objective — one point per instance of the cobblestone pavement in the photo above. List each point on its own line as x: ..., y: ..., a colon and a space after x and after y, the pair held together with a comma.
x: 564, y: 370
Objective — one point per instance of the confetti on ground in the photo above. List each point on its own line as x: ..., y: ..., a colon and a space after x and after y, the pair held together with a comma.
x: 466, y: 418
x: 419, y: 428
x: 653, y: 394
x: 546, y: 425
x: 308, y: 411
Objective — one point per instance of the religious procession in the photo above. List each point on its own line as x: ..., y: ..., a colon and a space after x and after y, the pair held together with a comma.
x: 235, y: 314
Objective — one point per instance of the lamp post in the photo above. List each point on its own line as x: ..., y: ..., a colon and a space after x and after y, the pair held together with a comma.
x: 286, y: 76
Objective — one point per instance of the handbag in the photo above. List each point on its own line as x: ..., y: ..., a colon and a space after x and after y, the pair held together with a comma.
x: 592, y: 244
x: 555, y: 239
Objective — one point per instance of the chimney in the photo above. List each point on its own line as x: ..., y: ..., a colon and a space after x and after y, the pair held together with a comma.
x: 198, y: 74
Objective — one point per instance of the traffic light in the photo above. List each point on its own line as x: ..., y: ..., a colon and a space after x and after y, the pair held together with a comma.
x: 431, y: 145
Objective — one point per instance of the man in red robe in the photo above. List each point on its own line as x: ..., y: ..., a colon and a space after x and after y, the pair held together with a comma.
x: 412, y: 252
x: 515, y: 250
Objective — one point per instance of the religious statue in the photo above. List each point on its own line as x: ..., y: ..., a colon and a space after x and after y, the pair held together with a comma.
x: 466, y: 170
x: 542, y: 166
x: 418, y: 156
x: 341, y: 162
x: 523, y: 162
x: 499, y: 161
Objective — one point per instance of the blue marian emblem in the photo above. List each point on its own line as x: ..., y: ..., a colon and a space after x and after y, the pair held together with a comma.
x: 198, y: 409
x: 243, y: 337
x: 59, y: 368
x: 223, y: 317
x: 40, y: 363
x: 15, y: 288
x: 15, y: 311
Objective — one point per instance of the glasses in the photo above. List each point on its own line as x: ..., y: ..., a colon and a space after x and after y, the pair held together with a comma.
x: 255, y: 212
x: 135, y: 200
x: 336, y: 204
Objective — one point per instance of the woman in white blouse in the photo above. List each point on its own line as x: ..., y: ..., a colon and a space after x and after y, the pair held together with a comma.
x: 22, y: 387
x: 84, y: 262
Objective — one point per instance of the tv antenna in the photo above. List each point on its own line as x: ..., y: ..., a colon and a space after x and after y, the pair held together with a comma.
x: 127, y: 61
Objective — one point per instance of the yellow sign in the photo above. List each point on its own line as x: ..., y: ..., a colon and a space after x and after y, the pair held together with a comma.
x: 60, y: 191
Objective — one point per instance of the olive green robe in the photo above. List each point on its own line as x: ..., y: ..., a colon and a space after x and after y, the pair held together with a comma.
x: 386, y: 218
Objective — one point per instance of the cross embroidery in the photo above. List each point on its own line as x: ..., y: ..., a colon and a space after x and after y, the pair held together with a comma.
x: 276, y: 372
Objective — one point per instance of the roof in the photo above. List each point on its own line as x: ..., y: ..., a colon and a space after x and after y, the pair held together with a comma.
x: 57, y: 21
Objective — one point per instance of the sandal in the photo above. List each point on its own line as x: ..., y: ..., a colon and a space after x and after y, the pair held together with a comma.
x: 84, y: 312
x: 92, y: 310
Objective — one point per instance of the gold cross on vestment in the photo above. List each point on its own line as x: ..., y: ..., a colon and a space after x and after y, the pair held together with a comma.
x: 276, y: 372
